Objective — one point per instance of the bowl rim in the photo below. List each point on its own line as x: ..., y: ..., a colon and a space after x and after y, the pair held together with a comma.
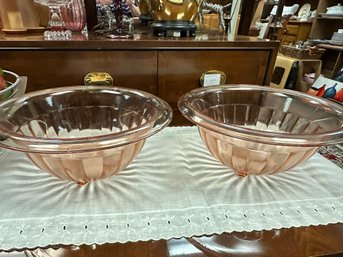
x: 113, y: 139
x: 243, y: 133
x: 13, y: 84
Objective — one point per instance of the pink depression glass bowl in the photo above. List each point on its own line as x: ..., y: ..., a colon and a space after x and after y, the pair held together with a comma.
x: 261, y: 130
x: 82, y: 133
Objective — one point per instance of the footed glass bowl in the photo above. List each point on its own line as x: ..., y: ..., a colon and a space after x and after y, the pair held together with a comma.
x: 82, y: 133
x: 261, y: 130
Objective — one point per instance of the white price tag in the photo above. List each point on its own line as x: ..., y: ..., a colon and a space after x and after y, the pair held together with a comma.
x: 176, y: 34
x: 211, y: 80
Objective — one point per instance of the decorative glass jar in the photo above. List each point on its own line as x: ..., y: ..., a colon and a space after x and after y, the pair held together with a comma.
x: 74, y: 16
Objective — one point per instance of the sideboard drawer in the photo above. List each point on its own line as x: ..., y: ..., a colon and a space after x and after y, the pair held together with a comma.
x: 180, y: 72
x: 54, y: 68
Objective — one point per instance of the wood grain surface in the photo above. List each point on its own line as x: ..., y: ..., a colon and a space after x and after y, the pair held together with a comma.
x: 167, y: 67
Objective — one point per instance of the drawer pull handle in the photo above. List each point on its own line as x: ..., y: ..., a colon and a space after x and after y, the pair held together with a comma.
x: 98, y: 78
x: 212, y: 78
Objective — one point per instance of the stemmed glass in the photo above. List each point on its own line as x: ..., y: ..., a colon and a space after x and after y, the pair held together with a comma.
x: 56, y: 27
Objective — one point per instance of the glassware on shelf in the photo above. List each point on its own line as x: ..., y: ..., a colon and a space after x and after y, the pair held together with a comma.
x: 112, y: 22
x: 74, y: 15
x: 56, y: 26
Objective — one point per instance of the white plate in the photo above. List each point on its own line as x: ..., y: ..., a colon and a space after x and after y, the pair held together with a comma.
x: 14, y: 31
x: 304, y: 11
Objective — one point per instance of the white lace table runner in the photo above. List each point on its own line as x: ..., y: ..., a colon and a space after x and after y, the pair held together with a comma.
x: 174, y: 188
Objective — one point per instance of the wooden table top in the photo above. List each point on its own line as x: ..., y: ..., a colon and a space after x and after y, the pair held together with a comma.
x: 332, y: 47
x: 142, y: 39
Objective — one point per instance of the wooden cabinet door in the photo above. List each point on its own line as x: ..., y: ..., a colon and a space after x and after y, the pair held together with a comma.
x: 180, y: 71
x: 53, y: 68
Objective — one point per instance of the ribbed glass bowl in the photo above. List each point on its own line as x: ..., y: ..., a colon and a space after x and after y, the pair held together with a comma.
x: 82, y: 133
x: 261, y: 130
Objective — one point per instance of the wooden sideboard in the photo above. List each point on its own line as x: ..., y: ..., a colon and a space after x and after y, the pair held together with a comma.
x: 166, y: 67
x: 296, y: 31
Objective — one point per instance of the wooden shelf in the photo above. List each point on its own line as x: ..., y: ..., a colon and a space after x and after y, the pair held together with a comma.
x: 330, y: 18
x: 299, y: 22
x: 332, y: 60
x: 327, y: 73
x: 333, y: 47
x: 324, y: 25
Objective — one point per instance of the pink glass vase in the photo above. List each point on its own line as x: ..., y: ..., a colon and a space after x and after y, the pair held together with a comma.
x: 74, y: 15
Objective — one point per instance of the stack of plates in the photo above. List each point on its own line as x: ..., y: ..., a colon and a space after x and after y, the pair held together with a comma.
x: 337, y: 39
